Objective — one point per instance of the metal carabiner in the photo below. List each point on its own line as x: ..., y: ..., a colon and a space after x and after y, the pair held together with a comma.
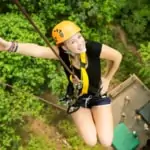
x: 72, y: 108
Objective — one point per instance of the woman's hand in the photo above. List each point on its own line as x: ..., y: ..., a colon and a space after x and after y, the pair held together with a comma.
x: 4, y: 45
x: 104, y: 85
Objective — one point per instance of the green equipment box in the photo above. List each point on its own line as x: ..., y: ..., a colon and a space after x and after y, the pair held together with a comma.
x: 124, y: 139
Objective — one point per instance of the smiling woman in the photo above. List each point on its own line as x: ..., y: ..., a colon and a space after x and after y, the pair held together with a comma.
x: 94, y: 117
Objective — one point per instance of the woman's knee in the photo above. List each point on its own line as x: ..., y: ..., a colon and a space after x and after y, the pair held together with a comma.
x: 106, y: 141
x: 91, y: 141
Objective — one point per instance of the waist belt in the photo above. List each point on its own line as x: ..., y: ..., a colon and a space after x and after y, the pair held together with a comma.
x: 84, y: 101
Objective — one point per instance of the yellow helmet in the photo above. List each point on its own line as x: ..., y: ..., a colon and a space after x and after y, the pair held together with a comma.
x: 64, y: 30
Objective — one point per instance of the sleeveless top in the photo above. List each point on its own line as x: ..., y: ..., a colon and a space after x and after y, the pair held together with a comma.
x: 93, y: 50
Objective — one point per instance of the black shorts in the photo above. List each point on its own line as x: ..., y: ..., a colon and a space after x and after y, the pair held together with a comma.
x: 88, y: 100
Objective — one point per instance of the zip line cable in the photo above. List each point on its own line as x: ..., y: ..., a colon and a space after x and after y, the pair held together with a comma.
x: 43, y: 36
x: 42, y: 99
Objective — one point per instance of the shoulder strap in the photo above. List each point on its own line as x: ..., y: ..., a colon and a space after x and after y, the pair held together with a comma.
x: 84, y: 75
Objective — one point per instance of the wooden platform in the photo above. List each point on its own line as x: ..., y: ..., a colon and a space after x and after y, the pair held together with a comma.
x: 126, y: 99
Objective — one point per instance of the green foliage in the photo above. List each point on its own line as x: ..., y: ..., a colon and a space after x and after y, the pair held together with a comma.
x: 129, y: 64
x: 94, y: 17
x: 128, y: 67
x: 9, y: 6
x: 14, y: 105
x: 135, y: 19
x: 26, y: 72
x: 15, y: 27
x: 144, y: 71
x: 36, y: 143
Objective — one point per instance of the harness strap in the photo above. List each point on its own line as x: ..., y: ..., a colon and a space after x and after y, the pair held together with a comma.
x: 84, y: 75
x: 72, y: 107
x: 79, y: 102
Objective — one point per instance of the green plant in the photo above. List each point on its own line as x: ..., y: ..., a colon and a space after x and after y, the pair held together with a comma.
x: 14, y: 105
x: 24, y: 71
x: 38, y: 143
x: 144, y: 71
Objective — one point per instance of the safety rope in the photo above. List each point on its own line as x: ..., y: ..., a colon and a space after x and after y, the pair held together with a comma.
x: 43, y: 36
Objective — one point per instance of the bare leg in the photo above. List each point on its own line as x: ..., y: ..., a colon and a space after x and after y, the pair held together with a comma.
x: 85, y: 125
x: 103, y: 118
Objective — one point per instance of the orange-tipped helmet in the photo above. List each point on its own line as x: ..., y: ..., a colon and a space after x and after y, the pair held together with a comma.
x: 64, y: 30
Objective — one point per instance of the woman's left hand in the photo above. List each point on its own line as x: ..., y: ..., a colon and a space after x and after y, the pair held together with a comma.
x: 104, y: 85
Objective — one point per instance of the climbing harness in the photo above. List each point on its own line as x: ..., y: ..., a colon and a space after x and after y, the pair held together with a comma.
x: 87, y: 100
x: 73, y: 104
x: 84, y: 76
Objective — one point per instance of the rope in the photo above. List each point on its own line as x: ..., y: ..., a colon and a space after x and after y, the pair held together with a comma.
x: 43, y: 37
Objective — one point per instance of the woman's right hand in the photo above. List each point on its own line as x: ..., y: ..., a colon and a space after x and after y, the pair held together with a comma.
x: 4, y: 45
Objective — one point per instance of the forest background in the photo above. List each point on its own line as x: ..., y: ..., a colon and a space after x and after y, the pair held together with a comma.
x: 122, y: 24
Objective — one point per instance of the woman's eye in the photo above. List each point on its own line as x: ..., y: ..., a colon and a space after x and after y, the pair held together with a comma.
x: 72, y: 42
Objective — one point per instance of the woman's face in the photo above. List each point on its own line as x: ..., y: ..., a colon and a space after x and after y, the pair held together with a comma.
x: 76, y: 44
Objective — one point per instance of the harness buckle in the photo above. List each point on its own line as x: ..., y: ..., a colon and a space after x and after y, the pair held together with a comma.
x: 87, y: 99
x: 72, y: 108
x: 78, y: 85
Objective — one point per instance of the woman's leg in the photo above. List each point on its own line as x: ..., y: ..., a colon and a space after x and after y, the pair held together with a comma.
x: 85, y: 125
x: 102, y: 115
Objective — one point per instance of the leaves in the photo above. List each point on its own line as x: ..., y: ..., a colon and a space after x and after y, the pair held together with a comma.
x: 144, y: 71
x: 13, y: 107
x: 135, y: 19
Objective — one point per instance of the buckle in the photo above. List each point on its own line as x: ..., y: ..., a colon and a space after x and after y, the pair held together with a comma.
x: 72, y: 108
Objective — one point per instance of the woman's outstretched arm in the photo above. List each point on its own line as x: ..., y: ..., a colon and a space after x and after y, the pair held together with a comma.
x: 28, y: 49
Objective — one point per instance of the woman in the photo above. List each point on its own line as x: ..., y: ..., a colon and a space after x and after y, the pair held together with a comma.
x: 94, y: 117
